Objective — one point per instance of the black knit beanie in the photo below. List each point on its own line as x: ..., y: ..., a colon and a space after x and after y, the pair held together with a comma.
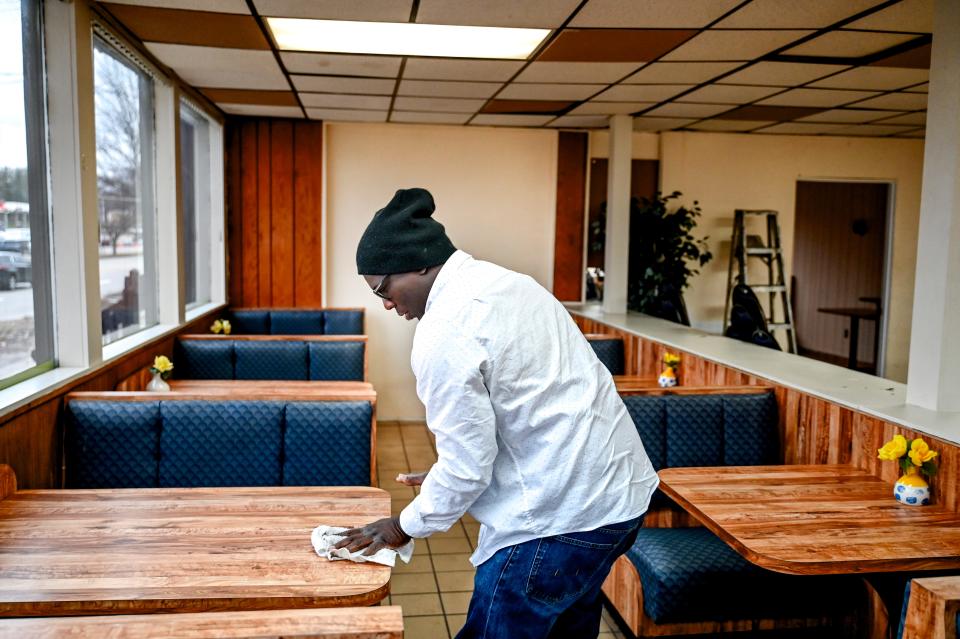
x: 402, y: 237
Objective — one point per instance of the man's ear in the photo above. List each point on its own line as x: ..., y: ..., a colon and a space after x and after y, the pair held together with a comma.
x: 424, y: 271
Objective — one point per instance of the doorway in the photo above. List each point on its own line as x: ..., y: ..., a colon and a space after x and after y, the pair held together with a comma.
x: 840, y: 271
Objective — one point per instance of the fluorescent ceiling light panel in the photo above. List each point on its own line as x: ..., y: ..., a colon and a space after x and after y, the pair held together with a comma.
x: 393, y: 38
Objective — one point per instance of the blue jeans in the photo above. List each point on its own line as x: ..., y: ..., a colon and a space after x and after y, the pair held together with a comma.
x: 546, y: 588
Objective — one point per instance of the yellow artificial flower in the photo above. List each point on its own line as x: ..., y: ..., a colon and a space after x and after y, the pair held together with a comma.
x: 671, y: 360
x: 162, y: 364
x: 225, y: 324
x: 920, y: 452
x: 893, y: 449
x: 216, y: 327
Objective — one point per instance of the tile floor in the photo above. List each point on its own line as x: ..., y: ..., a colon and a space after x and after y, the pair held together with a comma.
x: 434, y: 589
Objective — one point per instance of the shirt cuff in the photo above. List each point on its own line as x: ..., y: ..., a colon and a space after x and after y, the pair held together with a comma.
x: 412, y: 522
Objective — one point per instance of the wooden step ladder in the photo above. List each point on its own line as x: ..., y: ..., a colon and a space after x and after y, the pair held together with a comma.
x: 742, y: 248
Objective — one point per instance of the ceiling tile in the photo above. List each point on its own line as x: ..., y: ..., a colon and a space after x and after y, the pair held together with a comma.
x: 916, y: 58
x: 611, y: 108
x: 897, y: 101
x: 332, y: 64
x: 816, y: 97
x: 337, y: 84
x: 874, y: 129
x: 221, y: 6
x: 440, y: 89
x: 908, y: 15
x: 475, y: 70
x: 244, y: 96
x: 543, y: 14
x: 920, y: 88
x: 202, y: 28
x: 443, y: 105
x: 733, y: 45
x: 760, y: 112
x: 728, y: 125
x: 372, y: 10
x: 642, y: 92
x: 916, y: 133
x: 684, y: 110
x: 659, y: 124
x: 916, y: 119
x: 526, y: 106
x: 849, y: 44
x: 343, y: 101
x: 583, y: 72
x: 262, y: 110
x: 613, y: 45
x: 581, y: 121
x: 347, y: 115
x: 781, y: 74
x: 652, y: 14
x: 550, y: 91
x: 729, y: 94
x: 511, y: 120
x: 848, y: 115
x: 801, y: 128
x: 683, y: 72
x: 429, y: 118
x: 221, y: 68
x: 790, y: 14
x: 877, y: 78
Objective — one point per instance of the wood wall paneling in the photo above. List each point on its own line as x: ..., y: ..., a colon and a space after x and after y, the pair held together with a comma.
x: 568, y: 269
x: 275, y: 213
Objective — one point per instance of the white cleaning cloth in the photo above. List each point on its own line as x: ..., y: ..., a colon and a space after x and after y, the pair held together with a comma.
x: 324, y: 538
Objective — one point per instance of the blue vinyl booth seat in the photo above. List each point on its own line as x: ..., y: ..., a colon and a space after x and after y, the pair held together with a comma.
x: 609, y: 350
x: 344, y: 321
x: 268, y: 359
x: 690, y: 574
x: 185, y: 443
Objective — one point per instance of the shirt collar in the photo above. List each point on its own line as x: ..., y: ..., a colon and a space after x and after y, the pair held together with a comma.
x: 446, y: 275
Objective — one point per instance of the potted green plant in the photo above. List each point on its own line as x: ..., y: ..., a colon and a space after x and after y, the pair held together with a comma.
x: 664, y: 255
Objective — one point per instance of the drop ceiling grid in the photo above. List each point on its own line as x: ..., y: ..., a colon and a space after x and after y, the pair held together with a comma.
x: 696, y: 95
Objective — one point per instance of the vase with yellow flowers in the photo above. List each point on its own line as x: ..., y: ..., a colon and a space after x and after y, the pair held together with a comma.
x: 916, y: 460
x: 221, y: 326
x: 162, y: 366
x: 669, y: 375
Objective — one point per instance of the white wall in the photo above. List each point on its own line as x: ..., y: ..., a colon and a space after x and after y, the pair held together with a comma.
x: 725, y: 172
x: 495, y: 190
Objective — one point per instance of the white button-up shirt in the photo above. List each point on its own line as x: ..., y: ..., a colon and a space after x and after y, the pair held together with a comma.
x: 532, y: 438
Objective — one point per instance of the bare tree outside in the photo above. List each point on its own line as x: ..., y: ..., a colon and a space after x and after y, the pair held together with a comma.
x: 124, y: 126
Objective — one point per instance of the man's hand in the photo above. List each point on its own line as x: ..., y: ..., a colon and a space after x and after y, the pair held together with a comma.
x: 412, y: 479
x: 383, y: 533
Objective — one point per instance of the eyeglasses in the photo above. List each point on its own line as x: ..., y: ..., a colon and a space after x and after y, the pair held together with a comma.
x: 378, y: 289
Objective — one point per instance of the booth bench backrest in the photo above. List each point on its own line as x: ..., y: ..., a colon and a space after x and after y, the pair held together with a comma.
x: 266, y: 358
x: 707, y: 430
x: 150, y: 443
x: 609, y: 350
x: 264, y: 321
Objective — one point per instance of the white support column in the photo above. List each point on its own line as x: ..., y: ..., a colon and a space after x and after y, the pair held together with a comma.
x: 934, y: 374
x: 617, y: 246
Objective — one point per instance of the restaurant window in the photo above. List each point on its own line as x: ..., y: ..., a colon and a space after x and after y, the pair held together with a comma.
x: 26, y: 316
x: 124, y: 96
x: 195, y: 203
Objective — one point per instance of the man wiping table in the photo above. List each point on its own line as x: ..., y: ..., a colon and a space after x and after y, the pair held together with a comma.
x: 532, y: 438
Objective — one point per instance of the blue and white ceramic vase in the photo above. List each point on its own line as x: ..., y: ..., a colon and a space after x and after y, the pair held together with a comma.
x: 912, y: 489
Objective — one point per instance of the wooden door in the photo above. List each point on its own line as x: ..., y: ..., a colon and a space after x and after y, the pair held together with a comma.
x: 838, y: 258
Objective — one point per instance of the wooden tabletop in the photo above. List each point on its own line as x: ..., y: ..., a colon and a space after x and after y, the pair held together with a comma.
x: 372, y: 622
x: 817, y: 519
x: 275, y: 389
x: 77, y: 552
